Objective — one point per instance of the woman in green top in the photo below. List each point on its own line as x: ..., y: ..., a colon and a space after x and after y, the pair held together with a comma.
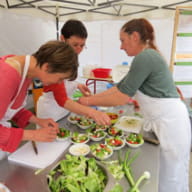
x: 150, y: 80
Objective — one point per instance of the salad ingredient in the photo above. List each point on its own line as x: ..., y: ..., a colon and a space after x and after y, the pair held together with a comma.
x: 114, y: 141
x: 101, y: 151
x: 114, y: 131
x: 117, y: 188
x: 77, y: 174
x: 63, y: 133
x: 146, y: 175
x: 134, y: 138
x: 79, y: 137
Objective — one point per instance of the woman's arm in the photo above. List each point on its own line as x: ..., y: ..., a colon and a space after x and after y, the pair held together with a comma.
x: 110, y: 97
x: 98, y: 116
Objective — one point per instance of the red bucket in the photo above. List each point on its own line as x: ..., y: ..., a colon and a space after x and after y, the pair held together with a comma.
x: 101, y: 72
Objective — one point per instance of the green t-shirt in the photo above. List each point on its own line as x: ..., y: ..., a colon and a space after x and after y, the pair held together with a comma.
x: 150, y: 74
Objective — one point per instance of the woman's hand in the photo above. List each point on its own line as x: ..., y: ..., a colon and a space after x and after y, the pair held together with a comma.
x: 45, y: 134
x: 99, y: 117
x: 44, y: 123
x: 84, y: 89
x: 42, y: 135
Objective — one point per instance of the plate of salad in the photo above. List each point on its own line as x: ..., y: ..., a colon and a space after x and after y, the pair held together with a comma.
x: 134, y: 140
x: 73, y: 118
x: 113, y: 116
x: 100, y: 127
x: 84, y: 123
x: 114, y: 131
x: 115, y: 142
x: 63, y: 134
x: 101, y: 151
x: 97, y: 135
x: 79, y: 137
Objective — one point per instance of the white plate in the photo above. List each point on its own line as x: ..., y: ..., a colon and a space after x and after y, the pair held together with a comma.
x: 79, y: 149
x: 129, y: 124
x: 3, y: 188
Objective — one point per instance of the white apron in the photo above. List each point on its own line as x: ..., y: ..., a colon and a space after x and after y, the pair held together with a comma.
x: 11, y: 112
x: 168, y: 118
x: 47, y: 106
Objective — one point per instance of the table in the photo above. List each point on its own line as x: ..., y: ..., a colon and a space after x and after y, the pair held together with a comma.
x: 93, y: 80
x: 23, y: 179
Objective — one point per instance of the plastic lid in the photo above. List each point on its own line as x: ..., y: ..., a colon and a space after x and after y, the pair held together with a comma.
x: 124, y: 63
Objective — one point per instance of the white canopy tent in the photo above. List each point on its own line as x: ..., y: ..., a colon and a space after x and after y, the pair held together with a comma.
x: 26, y: 24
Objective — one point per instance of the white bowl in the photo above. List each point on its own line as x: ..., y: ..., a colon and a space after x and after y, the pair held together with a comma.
x: 117, y: 129
x: 79, y: 149
x: 132, y: 145
x: 72, y: 121
x: 98, y: 148
x: 115, y: 147
x: 84, y: 126
x: 64, y: 138
x: 81, y: 134
x: 97, y: 138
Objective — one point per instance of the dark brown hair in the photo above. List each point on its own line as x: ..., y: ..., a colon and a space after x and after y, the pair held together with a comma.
x: 60, y: 57
x: 144, y: 28
x: 74, y: 27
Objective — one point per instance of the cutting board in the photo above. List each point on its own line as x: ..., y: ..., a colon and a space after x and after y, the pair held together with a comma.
x: 47, y: 154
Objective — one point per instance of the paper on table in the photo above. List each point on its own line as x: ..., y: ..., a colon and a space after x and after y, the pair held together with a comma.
x: 47, y: 154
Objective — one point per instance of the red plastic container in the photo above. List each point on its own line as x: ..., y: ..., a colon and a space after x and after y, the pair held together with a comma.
x: 101, y: 72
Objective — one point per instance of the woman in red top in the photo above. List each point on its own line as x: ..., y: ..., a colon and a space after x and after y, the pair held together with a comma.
x: 53, y: 62
x: 55, y: 101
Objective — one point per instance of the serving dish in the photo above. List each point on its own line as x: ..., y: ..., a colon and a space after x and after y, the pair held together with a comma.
x: 79, y: 149
x: 129, y: 124
x: 84, y: 123
x: 100, y: 127
x: 114, y: 131
x: 115, y: 142
x: 63, y: 134
x: 113, y: 116
x: 79, y: 137
x: 73, y: 118
x: 101, y: 151
x: 80, y: 173
x: 134, y: 140
x: 97, y: 135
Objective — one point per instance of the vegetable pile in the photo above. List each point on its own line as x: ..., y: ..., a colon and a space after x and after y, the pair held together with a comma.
x: 77, y: 174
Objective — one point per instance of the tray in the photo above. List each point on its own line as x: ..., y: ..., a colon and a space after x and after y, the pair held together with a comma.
x: 129, y: 124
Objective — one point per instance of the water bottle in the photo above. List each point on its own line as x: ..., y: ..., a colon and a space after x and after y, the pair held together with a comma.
x: 119, y: 71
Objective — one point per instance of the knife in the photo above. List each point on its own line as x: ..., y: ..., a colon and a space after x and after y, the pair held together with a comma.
x: 150, y: 140
x: 34, y: 147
